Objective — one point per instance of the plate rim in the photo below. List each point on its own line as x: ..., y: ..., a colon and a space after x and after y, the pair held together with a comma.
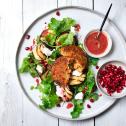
x: 23, y: 37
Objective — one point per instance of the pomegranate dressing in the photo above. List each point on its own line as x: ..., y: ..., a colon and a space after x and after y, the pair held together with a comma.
x: 96, y: 45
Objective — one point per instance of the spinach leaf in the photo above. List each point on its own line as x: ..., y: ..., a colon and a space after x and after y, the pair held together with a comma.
x: 51, y: 38
x: 69, y: 39
x: 48, y: 91
x: 66, y: 39
x: 93, y: 61
x: 55, y: 54
x: 78, y: 107
x: 29, y: 65
x: 94, y: 96
x: 61, y: 26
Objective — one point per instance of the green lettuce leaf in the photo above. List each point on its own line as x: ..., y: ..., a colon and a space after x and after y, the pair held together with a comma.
x: 66, y: 39
x: 61, y: 26
x: 55, y: 54
x: 78, y: 107
x: 93, y: 61
x: 48, y: 91
x: 29, y: 65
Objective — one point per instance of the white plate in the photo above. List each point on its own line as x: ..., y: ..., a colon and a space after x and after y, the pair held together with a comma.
x: 88, y: 20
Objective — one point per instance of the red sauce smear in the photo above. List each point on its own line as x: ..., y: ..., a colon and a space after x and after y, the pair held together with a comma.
x: 96, y: 45
x: 69, y: 105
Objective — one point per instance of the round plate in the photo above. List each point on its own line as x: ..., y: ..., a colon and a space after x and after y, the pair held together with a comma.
x: 88, y: 20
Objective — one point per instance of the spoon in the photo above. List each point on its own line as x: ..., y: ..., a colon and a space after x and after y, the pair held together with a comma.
x: 106, y: 16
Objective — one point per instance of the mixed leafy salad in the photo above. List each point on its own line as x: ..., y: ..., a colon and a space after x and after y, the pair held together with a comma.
x: 44, y: 53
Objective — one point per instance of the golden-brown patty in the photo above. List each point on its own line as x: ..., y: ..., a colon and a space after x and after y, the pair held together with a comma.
x: 61, y: 71
x: 77, y: 54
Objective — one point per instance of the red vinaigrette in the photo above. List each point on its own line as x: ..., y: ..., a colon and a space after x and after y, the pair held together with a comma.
x: 96, y: 45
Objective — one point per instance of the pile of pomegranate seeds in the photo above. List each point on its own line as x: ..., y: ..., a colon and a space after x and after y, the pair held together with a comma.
x: 112, y: 78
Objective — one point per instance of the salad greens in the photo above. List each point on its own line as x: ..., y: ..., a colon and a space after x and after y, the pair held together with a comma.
x: 29, y: 65
x: 59, y: 35
x: 78, y: 107
x: 61, y: 26
x: 48, y: 91
x: 55, y: 53
x: 90, y: 84
x: 93, y: 61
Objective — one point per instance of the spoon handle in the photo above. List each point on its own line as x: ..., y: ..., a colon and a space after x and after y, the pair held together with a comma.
x: 105, y: 18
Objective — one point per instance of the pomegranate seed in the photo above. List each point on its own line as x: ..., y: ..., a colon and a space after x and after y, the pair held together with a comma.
x: 58, y: 105
x: 27, y: 48
x: 30, y: 48
x: 100, y: 95
x: 88, y: 106
x: 69, y: 105
x: 37, y: 81
x: 77, y: 27
x: 33, y: 41
x: 91, y: 100
x: 57, y: 13
x: 27, y: 36
x: 84, y: 90
x: 97, y: 67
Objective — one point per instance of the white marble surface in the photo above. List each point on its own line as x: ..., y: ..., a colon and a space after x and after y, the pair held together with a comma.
x: 15, y: 17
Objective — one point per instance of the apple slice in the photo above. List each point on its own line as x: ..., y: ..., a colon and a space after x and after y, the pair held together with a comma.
x: 39, y: 52
x: 35, y: 53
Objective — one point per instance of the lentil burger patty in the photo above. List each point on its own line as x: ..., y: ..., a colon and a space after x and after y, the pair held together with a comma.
x: 77, y: 54
x: 61, y: 70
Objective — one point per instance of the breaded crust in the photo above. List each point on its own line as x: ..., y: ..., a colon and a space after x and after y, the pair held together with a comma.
x: 61, y: 71
x: 77, y: 54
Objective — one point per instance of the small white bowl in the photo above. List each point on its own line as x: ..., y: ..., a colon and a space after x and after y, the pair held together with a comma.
x: 103, y: 90
x: 107, y: 49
